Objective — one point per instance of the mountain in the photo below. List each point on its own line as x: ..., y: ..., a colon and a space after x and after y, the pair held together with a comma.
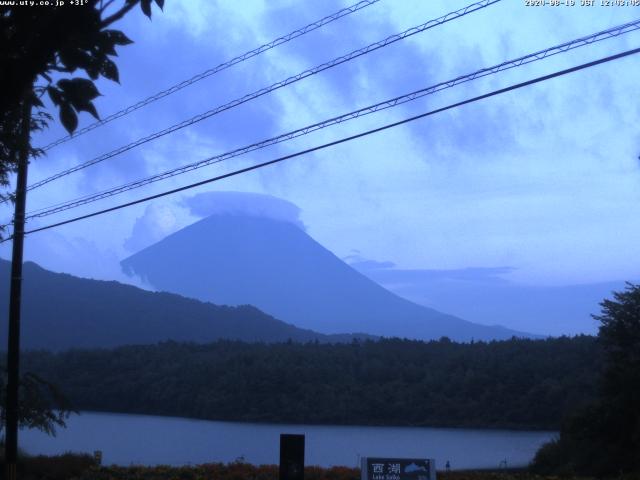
x: 60, y: 311
x: 484, y: 295
x: 237, y: 259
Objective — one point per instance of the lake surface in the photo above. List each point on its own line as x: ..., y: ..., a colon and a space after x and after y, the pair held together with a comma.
x: 148, y: 440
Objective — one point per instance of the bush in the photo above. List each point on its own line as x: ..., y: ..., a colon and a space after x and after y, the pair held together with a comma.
x: 57, y: 467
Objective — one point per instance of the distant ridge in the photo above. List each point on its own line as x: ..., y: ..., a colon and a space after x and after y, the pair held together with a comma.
x: 60, y: 311
x: 242, y: 258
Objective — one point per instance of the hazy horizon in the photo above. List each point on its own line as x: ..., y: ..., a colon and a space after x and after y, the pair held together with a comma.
x: 481, y: 295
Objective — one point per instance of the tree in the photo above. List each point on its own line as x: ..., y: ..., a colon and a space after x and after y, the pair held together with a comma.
x: 620, y: 396
x: 40, y: 43
x: 604, y: 439
x: 42, y: 405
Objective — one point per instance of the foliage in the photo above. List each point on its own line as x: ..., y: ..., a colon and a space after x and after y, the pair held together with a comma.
x: 511, y: 384
x: 219, y: 471
x: 83, y: 467
x: 40, y: 43
x: 604, y: 438
x: 57, y: 467
x: 41, y: 405
x: 620, y: 337
x: 243, y: 471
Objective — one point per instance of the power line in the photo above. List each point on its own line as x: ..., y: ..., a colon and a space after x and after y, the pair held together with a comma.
x: 342, y: 140
x: 212, y: 71
x: 307, y: 73
x: 523, y: 60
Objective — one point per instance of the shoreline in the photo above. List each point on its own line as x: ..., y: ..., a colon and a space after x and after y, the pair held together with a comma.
x: 332, y: 425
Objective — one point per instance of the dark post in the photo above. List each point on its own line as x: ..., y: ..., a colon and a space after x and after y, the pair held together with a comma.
x: 291, y: 457
x: 13, y: 352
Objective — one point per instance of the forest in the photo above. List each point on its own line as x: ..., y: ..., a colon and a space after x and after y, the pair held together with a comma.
x: 520, y: 383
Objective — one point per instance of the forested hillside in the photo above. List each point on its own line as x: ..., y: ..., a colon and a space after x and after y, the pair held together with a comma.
x: 510, y: 384
x: 60, y: 311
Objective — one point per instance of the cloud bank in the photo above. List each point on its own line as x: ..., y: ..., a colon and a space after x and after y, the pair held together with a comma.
x: 244, y: 203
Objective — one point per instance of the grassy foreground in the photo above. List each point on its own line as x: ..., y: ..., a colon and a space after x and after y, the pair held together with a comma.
x: 84, y: 467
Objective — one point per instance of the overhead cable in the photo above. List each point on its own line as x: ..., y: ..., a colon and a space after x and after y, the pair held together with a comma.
x: 239, y: 101
x: 212, y: 71
x: 506, y: 65
x: 340, y: 141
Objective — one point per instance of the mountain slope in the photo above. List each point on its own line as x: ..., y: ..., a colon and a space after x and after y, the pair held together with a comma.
x: 242, y: 259
x: 60, y: 311
x: 488, y: 295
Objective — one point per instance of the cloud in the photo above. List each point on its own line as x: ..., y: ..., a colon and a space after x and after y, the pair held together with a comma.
x: 157, y: 222
x: 363, y: 265
x: 386, y: 272
x: 243, y: 203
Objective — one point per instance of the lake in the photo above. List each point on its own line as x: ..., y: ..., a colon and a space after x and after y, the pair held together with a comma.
x: 149, y: 440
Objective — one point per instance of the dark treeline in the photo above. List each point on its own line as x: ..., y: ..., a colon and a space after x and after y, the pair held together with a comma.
x: 510, y: 384
x: 603, y: 439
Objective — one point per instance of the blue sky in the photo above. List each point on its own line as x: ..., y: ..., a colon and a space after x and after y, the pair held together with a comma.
x: 542, y: 184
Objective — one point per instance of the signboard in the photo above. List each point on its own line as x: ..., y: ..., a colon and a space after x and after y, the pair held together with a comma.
x: 374, y: 468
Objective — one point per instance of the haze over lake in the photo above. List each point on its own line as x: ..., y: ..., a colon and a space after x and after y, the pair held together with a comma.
x: 149, y: 440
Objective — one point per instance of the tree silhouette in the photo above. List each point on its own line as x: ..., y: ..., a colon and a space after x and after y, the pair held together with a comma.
x: 39, y: 43
x: 42, y: 404
x: 620, y: 398
x: 605, y: 438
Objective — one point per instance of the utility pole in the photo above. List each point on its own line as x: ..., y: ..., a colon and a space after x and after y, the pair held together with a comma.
x: 15, y: 295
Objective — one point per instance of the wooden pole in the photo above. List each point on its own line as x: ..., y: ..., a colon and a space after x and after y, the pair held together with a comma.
x: 15, y: 295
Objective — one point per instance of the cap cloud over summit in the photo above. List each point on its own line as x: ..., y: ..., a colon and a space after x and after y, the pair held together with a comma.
x: 245, y: 204
x: 159, y: 221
